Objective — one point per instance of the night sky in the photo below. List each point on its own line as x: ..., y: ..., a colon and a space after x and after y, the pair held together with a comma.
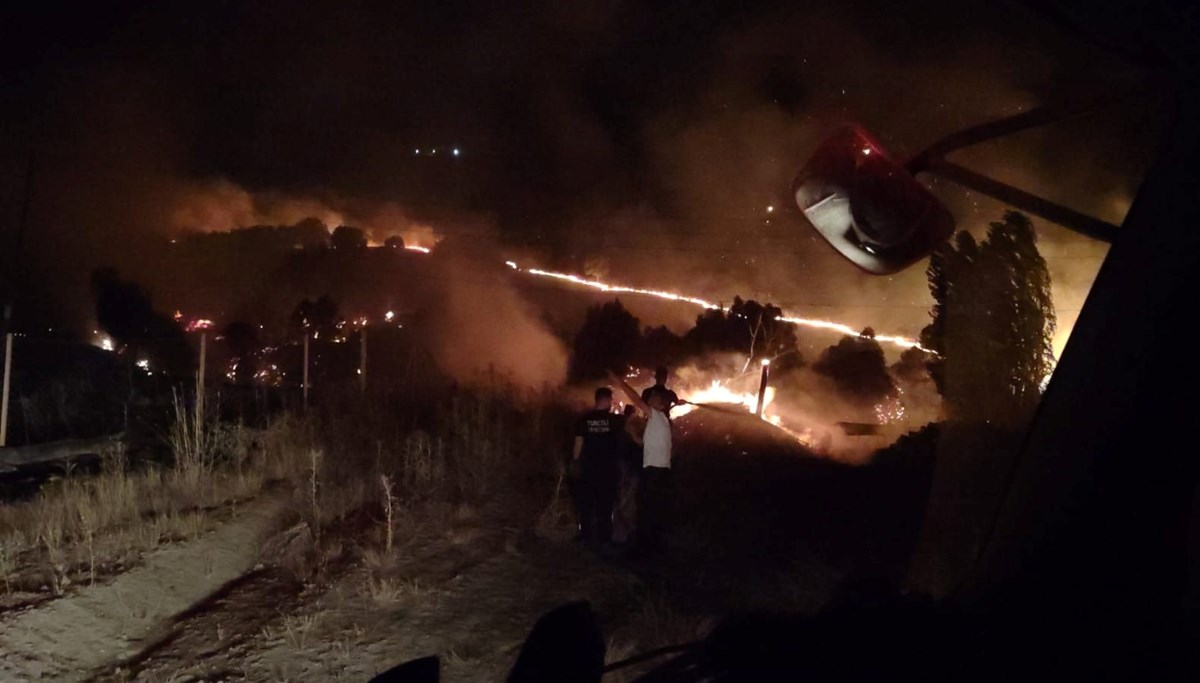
x: 646, y: 137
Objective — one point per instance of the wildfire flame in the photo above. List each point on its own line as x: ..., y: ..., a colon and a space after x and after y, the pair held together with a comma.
x: 903, y: 342
x: 717, y: 392
x: 620, y: 289
x: 897, y: 340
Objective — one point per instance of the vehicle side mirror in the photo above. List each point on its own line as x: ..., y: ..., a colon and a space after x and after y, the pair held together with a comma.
x: 867, y: 206
x: 423, y: 670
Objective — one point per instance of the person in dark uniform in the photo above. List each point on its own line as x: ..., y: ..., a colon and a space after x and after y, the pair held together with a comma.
x: 599, y: 437
x: 670, y: 398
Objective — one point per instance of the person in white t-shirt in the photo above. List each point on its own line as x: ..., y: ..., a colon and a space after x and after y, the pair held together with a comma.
x: 656, y: 465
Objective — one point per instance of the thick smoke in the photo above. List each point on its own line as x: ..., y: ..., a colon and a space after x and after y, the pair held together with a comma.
x: 481, y: 327
x: 651, y: 166
x: 221, y: 205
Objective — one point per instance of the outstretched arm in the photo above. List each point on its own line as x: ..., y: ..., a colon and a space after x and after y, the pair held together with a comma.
x: 630, y: 393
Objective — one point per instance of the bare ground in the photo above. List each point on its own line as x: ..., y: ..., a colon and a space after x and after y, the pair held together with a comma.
x: 468, y: 594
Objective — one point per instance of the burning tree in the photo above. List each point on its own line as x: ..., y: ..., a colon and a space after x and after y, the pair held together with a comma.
x: 993, y: 322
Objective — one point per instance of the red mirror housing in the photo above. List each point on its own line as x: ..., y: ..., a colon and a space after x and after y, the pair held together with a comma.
x: 867, y: 206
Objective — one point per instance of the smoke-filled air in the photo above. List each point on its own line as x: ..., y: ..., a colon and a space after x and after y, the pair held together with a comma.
x: 371, y: 340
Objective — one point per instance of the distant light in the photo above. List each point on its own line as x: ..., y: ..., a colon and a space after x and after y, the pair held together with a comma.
x: 511, y: 264
x: 434, y: 151
x: 106, y: 343
x: 866, y: 151
x: 770, y: 209
x: 144, y: 364
x: 416, y: 151
x: 455, y: 151
x: 389, y: 316
x: 766, y: 362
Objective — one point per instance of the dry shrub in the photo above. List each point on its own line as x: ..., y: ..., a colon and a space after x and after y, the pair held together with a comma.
x: 446, y: 459
x: 558, y: 520
x: 78, y: 526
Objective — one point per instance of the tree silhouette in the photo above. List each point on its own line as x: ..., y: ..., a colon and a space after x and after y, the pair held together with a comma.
x: 346, y: 237
x: 394, y: 242
x: 993, y: 322
x: 913, y: 365
x: 659, y: 346
x: 609, y: 339
x: 858, y: 368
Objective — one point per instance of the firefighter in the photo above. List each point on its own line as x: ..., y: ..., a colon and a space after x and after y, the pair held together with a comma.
x: 599, y: 435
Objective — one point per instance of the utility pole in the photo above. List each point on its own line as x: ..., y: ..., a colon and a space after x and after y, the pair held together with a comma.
x: 762, y: 387
x: 8, y: 344
x: 304, y: 381
x: 13, y: 279
x: 362, y: 360
x: 200, y: 380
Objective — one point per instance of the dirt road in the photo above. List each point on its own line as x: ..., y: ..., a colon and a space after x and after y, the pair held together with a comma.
x: 69, y: 637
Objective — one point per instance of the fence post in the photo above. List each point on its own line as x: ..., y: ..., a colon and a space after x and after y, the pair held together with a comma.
x: 200, y: 379
x: 8, y: 344
x: 762, y: 386
x: 362, y: 360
